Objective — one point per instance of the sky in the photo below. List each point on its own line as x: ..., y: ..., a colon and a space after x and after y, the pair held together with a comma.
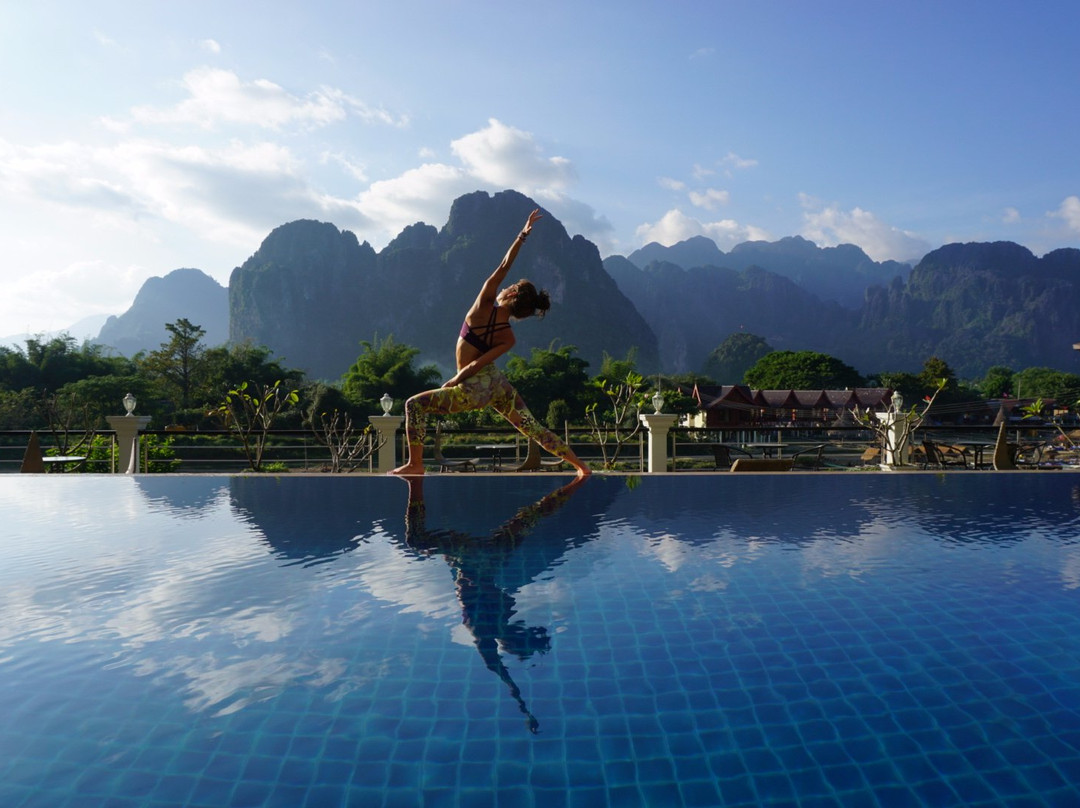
x: 141, y: 137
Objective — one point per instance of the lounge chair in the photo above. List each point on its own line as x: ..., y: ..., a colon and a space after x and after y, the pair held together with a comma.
x: 456, y: 464
x: 535, y: 461
x: 1004, y: 452
x: 532, y: 458
x: 942, y: 456
x: 722, y: 454
x: 812, y: 457
x: 553, y: 462
x: 1037, y: 455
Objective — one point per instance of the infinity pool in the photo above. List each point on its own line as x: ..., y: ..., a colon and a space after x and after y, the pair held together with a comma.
x: 809, y: 640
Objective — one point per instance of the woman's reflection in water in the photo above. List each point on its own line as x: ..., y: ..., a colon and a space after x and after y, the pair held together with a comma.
x: 487, y: 609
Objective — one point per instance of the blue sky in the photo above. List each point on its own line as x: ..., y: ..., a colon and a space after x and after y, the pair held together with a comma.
x: 137, y: 138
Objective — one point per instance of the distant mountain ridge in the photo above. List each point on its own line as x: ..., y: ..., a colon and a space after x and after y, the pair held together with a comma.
x: 841, y: 274
x: 974, y: 305
x: 977, y: 305
x: 311, y: 293
x: 182, y: 293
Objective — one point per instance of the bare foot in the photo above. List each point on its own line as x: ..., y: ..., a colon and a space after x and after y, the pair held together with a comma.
x: 582, y: 469
x: 409, y: 469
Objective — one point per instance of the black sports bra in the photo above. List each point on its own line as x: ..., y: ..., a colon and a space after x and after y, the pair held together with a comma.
x: 480, y: 338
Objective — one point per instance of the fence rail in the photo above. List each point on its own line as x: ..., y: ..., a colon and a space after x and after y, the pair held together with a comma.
x: 689, y: 448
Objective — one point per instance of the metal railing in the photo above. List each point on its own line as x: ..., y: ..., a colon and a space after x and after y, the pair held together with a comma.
x: 689, y: 448
x: 201, y: 451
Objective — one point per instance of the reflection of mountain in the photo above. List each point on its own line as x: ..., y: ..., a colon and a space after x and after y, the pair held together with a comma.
x: 804, y: 508
x: 313, y: 519
x: 484, y: 539
x: 181, y: 494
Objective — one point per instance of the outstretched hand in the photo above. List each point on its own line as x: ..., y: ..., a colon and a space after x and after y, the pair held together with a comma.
x: 533, y: 217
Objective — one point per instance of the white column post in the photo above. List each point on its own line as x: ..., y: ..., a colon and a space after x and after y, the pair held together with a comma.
x: 658, y: 425
x: 386, y: 427
x: 127, y: 429
x: 896, y: 430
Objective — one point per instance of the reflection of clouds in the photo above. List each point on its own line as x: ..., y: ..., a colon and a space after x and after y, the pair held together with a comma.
x: 708, y: 583
x: 1070, y: 571
x: 409, y: 581
x: 166, y: 588
x: 106, y: 591
x: 669, y: 551
x: 189, y: 589
x: 227, y: 687
x: 854, y: 557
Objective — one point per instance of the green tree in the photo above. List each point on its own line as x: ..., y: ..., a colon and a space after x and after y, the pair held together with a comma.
x: 250, y: 411
x: 616, y: 370
x: 936, y: 378
x: 729, y: 361
x: 177, y: 364
x: 19, y: 409
x: 47, y: 365
x: 672, y: 388
x: 550, y: 376
x: 997, y: 383
x: 227, y: 366
x: 933, y: 371
x: 909, y: 385
x: 103, y: 395
x: 1039, y: 382
x: 387, y: 367
x: 613, y: 418
x: 802, y: 370
x: 16, y: 372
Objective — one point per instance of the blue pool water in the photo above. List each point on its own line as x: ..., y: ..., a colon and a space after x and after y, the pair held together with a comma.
x: 810, y: 640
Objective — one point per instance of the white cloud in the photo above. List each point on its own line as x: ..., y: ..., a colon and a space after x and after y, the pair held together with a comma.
x: 579, y: 218
x: 710, y: 198
x: 701, y: 172
x: 352, y: 168
x: 210, y: 46
x: 669, y: 184
x: 1069, y: 211
x: 507, y: 157
x: 829, y: 226
x: 216, y: 97
x: 675, y: 226
x: 215, y: 198
x: 419, y: 194
x: 493, y: 158
x: 231, y: 194
x: 732, y: 160
x: 1010, y: 216
x: 69, y: 293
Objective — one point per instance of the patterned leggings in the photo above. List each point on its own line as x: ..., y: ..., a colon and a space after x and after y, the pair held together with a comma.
x: 488, y: 387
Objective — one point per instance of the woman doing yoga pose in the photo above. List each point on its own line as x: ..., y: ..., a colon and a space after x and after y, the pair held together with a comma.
x: 486, y: 335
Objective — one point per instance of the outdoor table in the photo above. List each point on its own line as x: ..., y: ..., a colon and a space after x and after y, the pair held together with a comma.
x: 496, y: 450
x: 767, y: 447
x: 978, y: 450
x: 60, y: 460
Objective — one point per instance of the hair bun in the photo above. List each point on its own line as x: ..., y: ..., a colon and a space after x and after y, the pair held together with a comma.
x: 543, y: 302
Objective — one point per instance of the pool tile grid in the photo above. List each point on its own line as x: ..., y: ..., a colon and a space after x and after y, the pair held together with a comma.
x: 738, y: 685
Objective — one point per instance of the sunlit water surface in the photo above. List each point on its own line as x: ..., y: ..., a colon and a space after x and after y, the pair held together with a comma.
x: 830, y: 639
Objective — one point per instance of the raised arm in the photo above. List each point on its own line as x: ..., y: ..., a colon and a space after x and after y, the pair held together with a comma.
x: 491, y: 286
x: 485, y: 300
